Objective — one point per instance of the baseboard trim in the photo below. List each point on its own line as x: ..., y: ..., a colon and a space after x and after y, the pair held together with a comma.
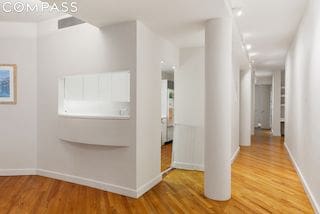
x: 187, y: 166
x: 146, y: 187
x: 306, y: 187
x: 167, y: 170
x: 235, y: 155
x: 89, y: 182
x: 17, y: 172
x: 85, y: 181
x: 199, y: 167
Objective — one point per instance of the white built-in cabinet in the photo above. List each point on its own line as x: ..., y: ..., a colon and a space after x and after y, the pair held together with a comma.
x: 95, y: 95
x: 120, y: 83
x: 94, y: 107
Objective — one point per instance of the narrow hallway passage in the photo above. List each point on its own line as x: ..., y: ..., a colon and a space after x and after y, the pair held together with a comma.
x: 263, y: 181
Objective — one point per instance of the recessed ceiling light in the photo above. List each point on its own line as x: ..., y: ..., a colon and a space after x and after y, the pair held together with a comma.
x: 239, y: 13
x: 248, y: 47
x: 174, y: 67
x: 162, y: 62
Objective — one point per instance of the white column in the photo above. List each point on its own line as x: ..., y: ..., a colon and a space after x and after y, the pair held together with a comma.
x: 245, y: 107
x: 253, y: 99
x: 218, y: 108
x: 276, y: 108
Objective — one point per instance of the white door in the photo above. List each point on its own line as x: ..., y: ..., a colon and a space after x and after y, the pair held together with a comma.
x: 262, y: 111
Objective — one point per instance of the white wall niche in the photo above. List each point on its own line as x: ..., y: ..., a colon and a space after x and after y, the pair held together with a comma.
x: 89, y: 103
x: 95, y: 96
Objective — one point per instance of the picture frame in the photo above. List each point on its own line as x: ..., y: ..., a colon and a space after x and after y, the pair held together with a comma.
x: 8, y: 84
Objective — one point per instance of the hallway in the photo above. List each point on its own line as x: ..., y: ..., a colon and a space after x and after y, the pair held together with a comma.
x: 263, y: 181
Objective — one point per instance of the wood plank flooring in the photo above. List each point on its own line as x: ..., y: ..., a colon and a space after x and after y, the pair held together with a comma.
x: 263, y: 181
x: 166, y: 156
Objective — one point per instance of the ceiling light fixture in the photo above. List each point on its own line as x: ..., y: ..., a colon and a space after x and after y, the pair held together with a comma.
x: 239, y: 13
x: 174, y: 67
x: 248, y: 47
x: 162, y: 62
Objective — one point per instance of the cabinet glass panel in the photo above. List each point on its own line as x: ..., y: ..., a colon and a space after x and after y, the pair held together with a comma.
x: 95, y: 95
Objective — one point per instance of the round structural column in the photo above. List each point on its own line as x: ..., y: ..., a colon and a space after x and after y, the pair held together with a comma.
x: 245, y: 107
x: 218, y: 108
x: 253, y: 100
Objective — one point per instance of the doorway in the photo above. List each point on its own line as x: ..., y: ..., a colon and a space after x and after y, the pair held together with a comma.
x: 263, y: 106
x: 167, y: 118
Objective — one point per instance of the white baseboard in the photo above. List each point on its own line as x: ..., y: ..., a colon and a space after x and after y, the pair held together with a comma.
x: 187, y: 166
x: 146, y: 187
x: 167, y: 170
x: 85, y: 181
x: 89, y: 182
x: 17, y: 172
x: 306, y: 187
x: 235, y: 155
x: 199, y: 167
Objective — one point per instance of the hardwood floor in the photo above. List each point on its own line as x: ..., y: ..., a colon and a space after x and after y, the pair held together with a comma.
x: 166, y: 156
x: 263, y: 181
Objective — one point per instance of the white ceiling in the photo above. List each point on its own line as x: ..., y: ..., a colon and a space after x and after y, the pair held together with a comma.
x: 26, y: 16
x: 269, y: 26
x: 180, y: 21
x: 263, y: 73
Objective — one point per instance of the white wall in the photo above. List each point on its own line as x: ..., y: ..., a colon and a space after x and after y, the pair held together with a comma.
x: 303, y: 101
x: 86, y: 49
x: 235, y: 104
x: 276, y: 100
x: 169, y: 53
x: 30, y: 140
x: 148, y: 106
x: 189, y: 110
x: 245, y: 107
x: 130, y: 170
x: 18, y: 45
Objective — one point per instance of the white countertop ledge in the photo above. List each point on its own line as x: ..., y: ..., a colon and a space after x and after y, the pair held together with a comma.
x: 98, y: 117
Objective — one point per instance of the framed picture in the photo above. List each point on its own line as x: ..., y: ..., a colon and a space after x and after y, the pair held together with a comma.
x: 8, y: 84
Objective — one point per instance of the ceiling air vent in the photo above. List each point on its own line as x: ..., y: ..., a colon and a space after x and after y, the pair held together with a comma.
x: 68, y: 22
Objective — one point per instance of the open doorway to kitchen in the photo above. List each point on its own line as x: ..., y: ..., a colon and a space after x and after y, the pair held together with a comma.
x: 167, y: 118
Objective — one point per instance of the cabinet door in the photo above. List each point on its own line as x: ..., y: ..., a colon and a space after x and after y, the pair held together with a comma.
x: 105, y: 87
x: 73, y: 88
x: 91, y: 87
x: 120, y: 86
